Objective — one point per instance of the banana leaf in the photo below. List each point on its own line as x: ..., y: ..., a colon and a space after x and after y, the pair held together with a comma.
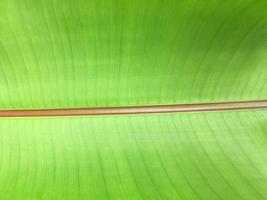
x: 101, y: 53
x: 87, y: 53
x: 212, y: 155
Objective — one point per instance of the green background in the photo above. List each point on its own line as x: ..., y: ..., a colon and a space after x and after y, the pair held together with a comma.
x: 186, y: 156
x: 95, y: 53
x: 87, y: 53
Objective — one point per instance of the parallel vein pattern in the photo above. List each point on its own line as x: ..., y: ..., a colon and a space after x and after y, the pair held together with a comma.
x: 62, y: 54
x: 216, y: 156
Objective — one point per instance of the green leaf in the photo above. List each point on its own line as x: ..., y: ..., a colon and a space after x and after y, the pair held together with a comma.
x: 97, y: 53
x: 60, y: 54
x: 219, y: 155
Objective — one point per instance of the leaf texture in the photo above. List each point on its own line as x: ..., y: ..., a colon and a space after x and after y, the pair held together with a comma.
x: 212, y: 156
x: 61, y: 54
x: 97, y: 53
